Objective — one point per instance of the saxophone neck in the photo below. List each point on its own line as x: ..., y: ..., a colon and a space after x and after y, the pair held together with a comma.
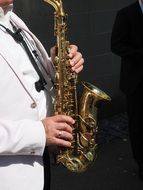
x: 58, y: 6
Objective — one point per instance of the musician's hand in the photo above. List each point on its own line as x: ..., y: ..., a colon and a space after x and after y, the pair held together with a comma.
x: 58, y: 130
x: 76, y: 59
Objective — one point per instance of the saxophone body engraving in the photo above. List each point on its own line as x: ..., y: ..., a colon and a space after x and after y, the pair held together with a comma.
x: 83, y: 150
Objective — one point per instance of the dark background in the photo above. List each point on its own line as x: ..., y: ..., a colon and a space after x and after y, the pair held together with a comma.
x: 89, y: 26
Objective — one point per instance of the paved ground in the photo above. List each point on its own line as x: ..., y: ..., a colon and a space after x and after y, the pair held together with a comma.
x: 114, y: 168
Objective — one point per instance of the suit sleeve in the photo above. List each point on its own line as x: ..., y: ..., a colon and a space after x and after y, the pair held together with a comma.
x: 23, y: 137
x: 121, y: 44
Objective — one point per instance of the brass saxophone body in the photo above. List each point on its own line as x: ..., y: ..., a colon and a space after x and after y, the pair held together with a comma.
x: 83, y: 150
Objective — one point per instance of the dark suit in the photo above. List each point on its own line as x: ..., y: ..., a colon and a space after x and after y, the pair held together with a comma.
x: 127, y: 42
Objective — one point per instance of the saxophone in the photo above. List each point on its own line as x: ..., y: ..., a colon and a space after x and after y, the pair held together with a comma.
x: 83, y: 149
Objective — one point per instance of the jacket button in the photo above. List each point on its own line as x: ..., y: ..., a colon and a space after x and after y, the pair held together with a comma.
x: 33, y: 105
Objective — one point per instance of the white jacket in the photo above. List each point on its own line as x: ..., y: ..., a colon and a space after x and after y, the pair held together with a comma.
x: 22, y: 135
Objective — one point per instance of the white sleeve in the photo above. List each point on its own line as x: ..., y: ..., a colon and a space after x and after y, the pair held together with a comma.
x: 24, y: 137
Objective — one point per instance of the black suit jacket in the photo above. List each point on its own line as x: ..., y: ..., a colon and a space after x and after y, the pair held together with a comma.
x: 127, y: 42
